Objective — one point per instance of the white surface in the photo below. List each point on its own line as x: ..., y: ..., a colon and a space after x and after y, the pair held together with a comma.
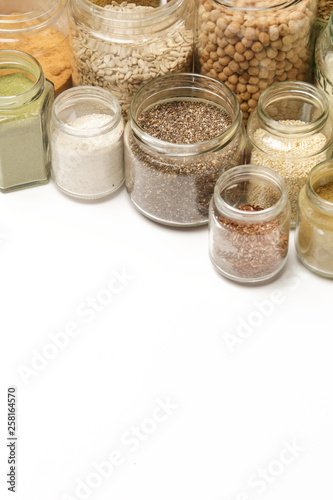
x: 162, y: 336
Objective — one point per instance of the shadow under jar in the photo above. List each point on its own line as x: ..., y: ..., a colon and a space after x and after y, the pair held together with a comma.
x: 122, y: 45
x: 183, y: 132
x: 314, y: 228
x: 290, y: 132
x: 250, y: 44
x: 248, y: 242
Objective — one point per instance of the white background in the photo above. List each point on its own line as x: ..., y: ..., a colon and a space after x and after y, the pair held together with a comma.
x: 162, y: 339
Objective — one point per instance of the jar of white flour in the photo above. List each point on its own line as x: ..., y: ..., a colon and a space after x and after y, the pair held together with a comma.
x: 87, y: 142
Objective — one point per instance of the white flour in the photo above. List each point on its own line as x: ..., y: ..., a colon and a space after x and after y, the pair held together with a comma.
x: 88, y: 167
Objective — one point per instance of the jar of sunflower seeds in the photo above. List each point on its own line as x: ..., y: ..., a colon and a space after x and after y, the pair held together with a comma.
x: 120, y: 45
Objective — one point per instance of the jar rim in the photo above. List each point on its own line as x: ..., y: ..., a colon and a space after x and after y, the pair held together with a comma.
x: 136, y: 19
x: 82, y: 93
x: 187, y: 81
x: 313, y: 177
x: 38, y: 20
x: 301, y: 91
x: 268, y: 5
x: 243, y: 173
x: 15, y: 59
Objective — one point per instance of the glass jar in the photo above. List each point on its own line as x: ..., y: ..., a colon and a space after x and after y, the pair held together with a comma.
x: 249, y: 219
x: 41, y: 30
x: 324, y: 61
x: 25, y: 106
x: 87, y: 143
x: 249, y: 44
x: 290, y: 132
x: 168, y: 180
x: 120, y: 47
x: 314, y: 230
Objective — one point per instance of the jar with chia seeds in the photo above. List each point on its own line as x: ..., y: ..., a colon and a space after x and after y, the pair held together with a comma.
x: 314, y: 229
x: 40, y: 28
x: 25, y: 106
x: 121, y: 45
x: 86, y: 136
x: 250, y: 44
x: 324, y: 62
x: 183, y: 132
x: 290, y: 132
x: 249, y: 221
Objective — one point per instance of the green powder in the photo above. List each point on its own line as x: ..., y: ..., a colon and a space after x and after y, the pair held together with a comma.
x: 14, y: 83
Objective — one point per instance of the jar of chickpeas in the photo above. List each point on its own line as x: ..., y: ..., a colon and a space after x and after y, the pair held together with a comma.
x: 250, y: 44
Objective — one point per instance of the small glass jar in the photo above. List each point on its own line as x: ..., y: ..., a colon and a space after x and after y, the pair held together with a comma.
x: 40, y: 28
x: 249, y: 44
x: 87, y: 143
x: 121, y: 47
x: 171, y: 182
x: 324, y: 62
x: 249, y: 221
x: 25, y: 107
x: 290, y: 132
x: 314, y: 229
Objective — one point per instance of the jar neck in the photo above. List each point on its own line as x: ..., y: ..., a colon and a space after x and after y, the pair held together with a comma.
x: 180, y: 87
x: 244, y: 174
x: 82, y: 101
x: 320, y: 175
x: 256, y: 5
x: 14, y: 61
x: 131, y: 21
x: 311, y: 104
x: 33, y: 19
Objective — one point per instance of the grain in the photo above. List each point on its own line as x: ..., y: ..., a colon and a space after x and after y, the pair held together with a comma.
x: 292, y: 159
x: 103, y: 60
x: 262, y: 38
x: 171, y: 189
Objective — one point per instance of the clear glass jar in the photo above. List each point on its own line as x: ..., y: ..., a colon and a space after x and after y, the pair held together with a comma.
x: 40, y: 28
x: 87, y: 143
x: 120, y: 48
x: 314, y: 229
x: 249, y: 44
x: 249, y: 219
x: 324, y: 62
x: 290, y: 132
x: 172, y: 182
x: 25, y: 106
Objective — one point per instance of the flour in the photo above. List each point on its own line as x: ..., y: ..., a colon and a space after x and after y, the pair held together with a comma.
x: 87, y: 163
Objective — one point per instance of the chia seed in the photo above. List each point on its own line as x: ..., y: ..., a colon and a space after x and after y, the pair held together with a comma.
x: 177, y: 190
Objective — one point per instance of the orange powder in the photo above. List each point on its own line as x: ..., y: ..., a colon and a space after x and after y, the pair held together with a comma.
x: 51, y: 48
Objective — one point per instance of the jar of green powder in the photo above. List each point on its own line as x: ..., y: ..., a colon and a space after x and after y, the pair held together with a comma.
x: 26, y: 99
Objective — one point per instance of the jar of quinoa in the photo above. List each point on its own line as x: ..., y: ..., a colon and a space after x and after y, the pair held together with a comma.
x: 290, y: 132
x: 250, y: 44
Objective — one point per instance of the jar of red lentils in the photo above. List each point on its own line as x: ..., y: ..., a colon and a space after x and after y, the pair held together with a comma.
x: 248, y: 45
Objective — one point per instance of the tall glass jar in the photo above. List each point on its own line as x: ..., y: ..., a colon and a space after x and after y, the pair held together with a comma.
x: 121, y: 47
x: 249, y: 220
x: 314, y: 230
x: 25, y: 106
x: 168, y: 180
x: 87, y: 143
x: 249, y: 44
x: 40, y: 29
x: 324, y: 62
x: 290, y: 132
